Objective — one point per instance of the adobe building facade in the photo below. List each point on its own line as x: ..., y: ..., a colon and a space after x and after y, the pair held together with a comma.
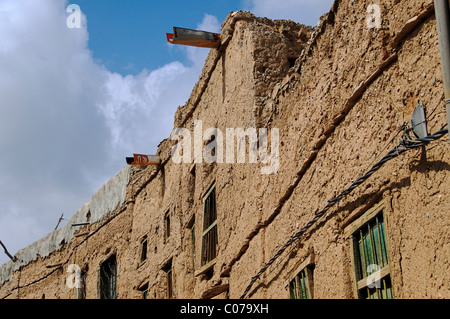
x: 334, y: 100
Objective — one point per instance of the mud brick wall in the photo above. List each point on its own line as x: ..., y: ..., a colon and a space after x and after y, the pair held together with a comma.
x: 339, y: 94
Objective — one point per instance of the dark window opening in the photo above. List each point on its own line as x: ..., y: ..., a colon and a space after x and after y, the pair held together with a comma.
x: 144, y: 245
x: 81, y: 290
x: 167, y: 225
x: 108, y: 278
x: 144, y: 291
x: 212, y: 150
x: 209, y: 274
x: 291, y: 62
x: 169, y: 279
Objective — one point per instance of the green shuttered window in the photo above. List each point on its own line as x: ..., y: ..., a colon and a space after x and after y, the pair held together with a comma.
x: 300, y: 284
x: 370, y: 255
x: 299, y: 287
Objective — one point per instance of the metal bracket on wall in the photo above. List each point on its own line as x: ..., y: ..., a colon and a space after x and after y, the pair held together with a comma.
x: 196, y: 38
x: 419, y: 122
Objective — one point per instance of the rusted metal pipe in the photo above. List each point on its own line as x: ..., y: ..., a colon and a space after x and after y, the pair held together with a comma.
x: 442, y: 9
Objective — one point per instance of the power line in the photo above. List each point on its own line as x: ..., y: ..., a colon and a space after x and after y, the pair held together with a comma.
x: 404, y: 146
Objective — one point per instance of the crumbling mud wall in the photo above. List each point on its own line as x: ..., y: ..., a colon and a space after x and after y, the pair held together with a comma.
x: 352, y: 90
x: 54, y: 250
x: 339, y: 95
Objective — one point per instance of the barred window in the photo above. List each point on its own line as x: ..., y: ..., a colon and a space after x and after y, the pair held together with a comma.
x: 191, y: 229
x: 209, y: 236
x: 108, y: 278
x: 299, y: 287
x: 370, y: 257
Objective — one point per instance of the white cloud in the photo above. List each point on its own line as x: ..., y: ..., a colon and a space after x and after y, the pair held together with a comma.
x: 139, y: 109
x: 198, y: 55
x: 303, y: 11
x: 67, y: 123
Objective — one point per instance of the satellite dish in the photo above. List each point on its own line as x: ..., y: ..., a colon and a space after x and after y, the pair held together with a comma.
x: 419, y: 122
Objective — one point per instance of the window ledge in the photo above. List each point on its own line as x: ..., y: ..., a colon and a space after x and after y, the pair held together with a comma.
x: 205, y: 268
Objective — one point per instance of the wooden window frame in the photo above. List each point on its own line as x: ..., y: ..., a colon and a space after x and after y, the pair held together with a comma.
x: 305, y: 269
x: 382, y: 275
x: 144, y: 250
x: 208, y: 255
x: 167, y: 268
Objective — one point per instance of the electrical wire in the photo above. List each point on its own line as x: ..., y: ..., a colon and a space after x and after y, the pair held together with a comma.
x: 384, y: 148
x: 405, y: 145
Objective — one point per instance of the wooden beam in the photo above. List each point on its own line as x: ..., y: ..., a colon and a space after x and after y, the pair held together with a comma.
x: 373, y: 278
x: 214, y: 291
x: 59, y: 221
x: 14, y: 259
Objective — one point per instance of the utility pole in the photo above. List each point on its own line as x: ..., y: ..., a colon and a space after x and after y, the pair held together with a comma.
x: 442, y: 9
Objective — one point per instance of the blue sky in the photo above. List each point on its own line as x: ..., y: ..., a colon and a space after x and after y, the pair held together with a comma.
x: 76, y: 102
x: 128, y: 36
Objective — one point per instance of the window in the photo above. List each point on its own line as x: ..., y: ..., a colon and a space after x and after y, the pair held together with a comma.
x: 81, y: 290
x: 301, y: 284
x: 144, y: 290
x: 370, y: 257
x: 292, y: 61
x: 299, y: 287
x: 190, y: 228
x: 108, y: 277
x: 167, y: 225
x: 193, y: 245
x: 169, y: 279
x: 144, y: 245
x: 209, y: 236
